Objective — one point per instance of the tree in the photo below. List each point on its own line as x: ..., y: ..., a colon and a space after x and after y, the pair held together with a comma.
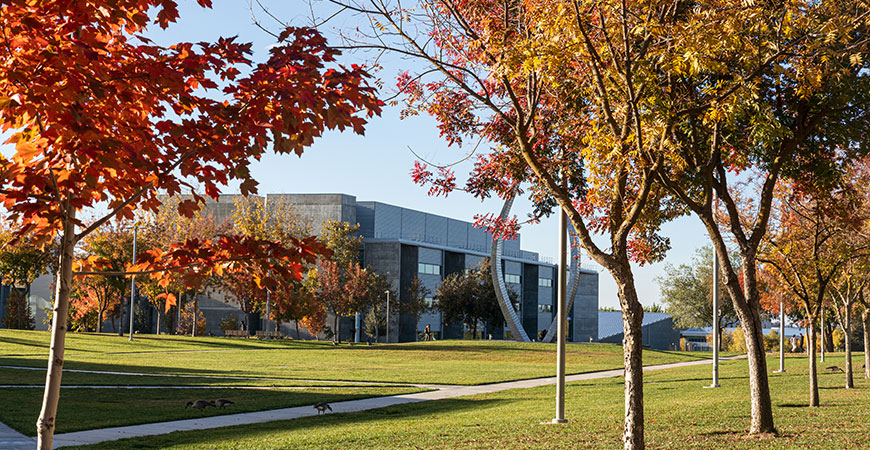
x: 865, y: 322
x: 18, y: 313
x: 110, y: 249
x: 20, y: 264
x: 100, y: 114
x: 809, y: 248
x: 771, y: 100
x: 277, y: 221
x: 560, y: 91
x: 470, y: 297
x: 687, y: 293
x: 375, y: 321
x: 846, y: 292
x: 160, y: 229
x: 414, y: 304
x: 342, y: 290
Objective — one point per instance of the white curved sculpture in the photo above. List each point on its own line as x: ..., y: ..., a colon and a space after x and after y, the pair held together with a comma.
x: 573, y: 281
x: 507, y: 309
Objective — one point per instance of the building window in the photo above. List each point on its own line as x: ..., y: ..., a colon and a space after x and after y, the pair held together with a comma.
x: 545, y: 282
x: 545, y: 308
x: 429, y: 269
x: 511, y: 278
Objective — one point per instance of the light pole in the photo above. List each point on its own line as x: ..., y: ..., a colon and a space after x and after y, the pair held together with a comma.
x: 562, y: 325
x: 822, y: 330
x: 387, y: 339
x: 781, y: 337
x: 715, y: 383
x: 133, y: 283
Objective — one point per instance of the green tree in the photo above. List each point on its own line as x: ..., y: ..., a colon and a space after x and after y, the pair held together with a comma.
x: 470, y: 297
x: 375, y: 321
x: 20, y: 264
x: 687, y: 293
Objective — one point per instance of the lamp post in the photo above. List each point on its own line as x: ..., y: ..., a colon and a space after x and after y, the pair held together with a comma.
x: 822, y: 332
x: 781, y: 337
x: 133, y: 283
x: 715, y: 320
x: 562, y: 325
x: 387, y: 339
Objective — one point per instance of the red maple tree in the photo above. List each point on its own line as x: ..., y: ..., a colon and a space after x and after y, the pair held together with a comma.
x: 100, y: 114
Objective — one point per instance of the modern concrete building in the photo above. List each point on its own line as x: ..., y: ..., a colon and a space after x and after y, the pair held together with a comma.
x: 403, y: 243
x: 658, y: 330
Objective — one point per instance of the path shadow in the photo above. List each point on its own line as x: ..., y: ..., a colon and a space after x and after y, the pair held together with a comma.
x: 307, y: 425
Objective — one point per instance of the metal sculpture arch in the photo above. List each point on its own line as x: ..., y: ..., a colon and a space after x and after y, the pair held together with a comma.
x: 507, y: 309
x: 573, y: 282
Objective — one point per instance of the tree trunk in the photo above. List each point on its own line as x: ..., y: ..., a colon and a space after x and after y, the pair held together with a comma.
x: 45, y: 425
x: 297, y: 328
x: 865, y: 318
x: 159, y: 314
x: 100, y: 321
x: 761, y: 406
x: 850, y: 380
x: 195, y: 309
x: 632, y: 347
x: 337, y: 336
x: 19, y: 305
x: 829, y: 339
x: 814, y: 375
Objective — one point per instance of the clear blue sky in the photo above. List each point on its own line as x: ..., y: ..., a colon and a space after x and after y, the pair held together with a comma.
x: 376, y: 167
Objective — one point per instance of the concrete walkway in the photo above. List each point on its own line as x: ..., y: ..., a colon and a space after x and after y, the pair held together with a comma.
x: 13, y: 440
x: 442, y: 392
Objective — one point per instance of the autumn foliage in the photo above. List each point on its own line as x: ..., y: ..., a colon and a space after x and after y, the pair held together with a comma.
x: 99, y: 113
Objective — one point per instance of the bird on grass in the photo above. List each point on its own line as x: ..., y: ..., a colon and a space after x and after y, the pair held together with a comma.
x: 200, y: 404
x: 834, y: 369
x: 221, y: 402
x: 322, y: 407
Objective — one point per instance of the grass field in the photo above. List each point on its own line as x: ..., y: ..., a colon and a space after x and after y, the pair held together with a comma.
x: 440, y: 362
x: 86, y: 409
x: 680, y: 414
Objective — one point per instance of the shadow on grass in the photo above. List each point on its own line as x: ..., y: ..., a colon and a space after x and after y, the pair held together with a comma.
x: 303, y: 425
x: 88, y: 409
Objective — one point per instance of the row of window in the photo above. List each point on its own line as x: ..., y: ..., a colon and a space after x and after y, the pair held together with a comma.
x: 545, y: 308
x: 434, y: 269
x: 429, y: 269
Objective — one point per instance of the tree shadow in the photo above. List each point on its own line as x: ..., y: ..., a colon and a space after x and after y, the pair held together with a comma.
x: 308, y: 425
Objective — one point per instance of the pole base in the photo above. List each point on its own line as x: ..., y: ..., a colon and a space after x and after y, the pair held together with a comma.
x: 711, y: 386
x: 555, y: 421
x: 779, y: 371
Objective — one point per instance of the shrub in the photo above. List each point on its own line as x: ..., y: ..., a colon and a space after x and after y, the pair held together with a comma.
x: 771, y: 341
x: 736, y: 341
x: 230, y: 323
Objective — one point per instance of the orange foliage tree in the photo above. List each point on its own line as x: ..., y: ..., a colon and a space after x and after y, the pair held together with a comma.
x: 98, y: 113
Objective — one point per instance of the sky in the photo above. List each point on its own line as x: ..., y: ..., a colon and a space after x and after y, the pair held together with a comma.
x: 377, y: 166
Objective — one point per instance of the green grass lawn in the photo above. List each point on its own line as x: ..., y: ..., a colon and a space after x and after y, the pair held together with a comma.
x: 447, y: 362
x: 680, y: 414
x: 86, y: 409
x: 28, y: 377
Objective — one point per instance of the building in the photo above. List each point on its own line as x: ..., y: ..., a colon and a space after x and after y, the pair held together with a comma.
x: 403, y: 243
x: 657, y: 332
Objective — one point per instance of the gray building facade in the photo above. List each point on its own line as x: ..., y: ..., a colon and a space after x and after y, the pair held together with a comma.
x: 403, y: 243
